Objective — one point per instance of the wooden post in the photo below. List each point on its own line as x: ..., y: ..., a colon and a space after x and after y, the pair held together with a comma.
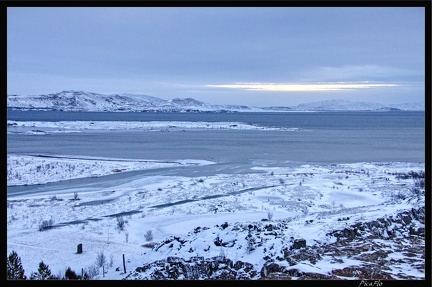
x: 82, y: 273
x: 103, y: 270
x: 79, y: 248
x: 124, y: 264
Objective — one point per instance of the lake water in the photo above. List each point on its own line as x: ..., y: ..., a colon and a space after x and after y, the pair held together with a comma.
x: 323, y: 138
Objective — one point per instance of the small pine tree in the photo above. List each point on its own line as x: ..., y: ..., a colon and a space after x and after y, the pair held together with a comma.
x: 86, y: 276
x: 71, y: 275
x: 15, y: 270
x: 44, y: 273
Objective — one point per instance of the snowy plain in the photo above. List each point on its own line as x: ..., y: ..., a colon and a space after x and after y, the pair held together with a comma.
x: 80, y: 126
x: 312, y: 198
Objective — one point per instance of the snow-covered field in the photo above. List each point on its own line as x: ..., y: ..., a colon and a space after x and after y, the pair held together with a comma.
x: 81, y: 126
x: 28, y: 170
x: 193, y: 216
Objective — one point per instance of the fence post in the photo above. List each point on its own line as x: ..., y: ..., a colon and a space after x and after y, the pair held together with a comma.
x: 124, y: 264
x: 79, y: 248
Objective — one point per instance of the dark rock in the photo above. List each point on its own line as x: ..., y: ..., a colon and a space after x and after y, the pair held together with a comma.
x: 371, y: 272
x: 268, y: 269
x: 217, y: 241
x: 299, y: 243
x: 243, y: 265
x: 406, y: 218
x: 268, y: 227
x: 316, y: 276
x: 276, y: 276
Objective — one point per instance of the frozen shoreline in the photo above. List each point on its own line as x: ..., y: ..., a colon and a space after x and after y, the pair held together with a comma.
x: 68, y: 126
x: 28, y: 170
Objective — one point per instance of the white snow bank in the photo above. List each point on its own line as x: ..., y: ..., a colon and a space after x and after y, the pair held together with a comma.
x: 148, y: 126
x: 23, y: 170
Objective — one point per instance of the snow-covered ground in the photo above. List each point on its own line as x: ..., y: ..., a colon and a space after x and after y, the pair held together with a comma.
x: 28, y: 170
x: 80, y: 126
x: 309, y: 200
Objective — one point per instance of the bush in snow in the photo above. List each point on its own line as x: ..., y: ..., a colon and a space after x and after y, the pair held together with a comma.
x: 100, y: 259
x: 269, y: 215
x: 250, y: 243
x: 149, y: 235
x: 71, y: 275
x: 419, y: 183
x: 120, y: 222
x: 46, y: 224
x: 92, y: 271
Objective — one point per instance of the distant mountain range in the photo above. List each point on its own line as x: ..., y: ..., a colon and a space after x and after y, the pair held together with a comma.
x: 87, y: 101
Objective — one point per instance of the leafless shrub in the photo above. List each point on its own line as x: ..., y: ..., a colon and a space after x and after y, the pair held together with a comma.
x: 250, y: 243
x: 111, y: 263
x: 100, y: 259
x: 399, y: 196
x: 419, y: 183
x: 92, y: 271
x: 269, y: 215
x: 46, y: 224
x: 148, y: 235
x: 223, y: 253
x: 120, y: 222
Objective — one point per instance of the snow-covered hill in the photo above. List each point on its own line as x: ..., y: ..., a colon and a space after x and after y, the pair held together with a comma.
x: 345, y: 105
x: 88, y: 101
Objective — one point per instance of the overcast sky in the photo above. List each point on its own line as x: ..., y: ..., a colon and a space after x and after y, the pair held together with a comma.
x: 250, y: 56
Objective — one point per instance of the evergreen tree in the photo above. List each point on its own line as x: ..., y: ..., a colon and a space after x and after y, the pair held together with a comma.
x: 86, y: 276
x: 70, y: 274
x: 15, y: 271
x: 44, y: 273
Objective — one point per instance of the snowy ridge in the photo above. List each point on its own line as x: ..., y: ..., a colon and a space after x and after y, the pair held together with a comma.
x: 93, y: 102
x: 345, y: 105
x: 88, y: 101
x: 339, y: 105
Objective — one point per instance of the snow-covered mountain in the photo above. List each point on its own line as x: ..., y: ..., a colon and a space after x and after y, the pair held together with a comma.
x: 88, y: 101
x: 345, y: 105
